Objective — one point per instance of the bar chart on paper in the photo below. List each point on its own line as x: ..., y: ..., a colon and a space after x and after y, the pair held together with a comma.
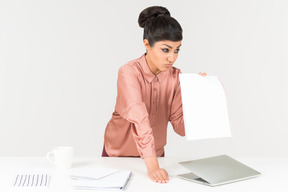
x: 31, y: 180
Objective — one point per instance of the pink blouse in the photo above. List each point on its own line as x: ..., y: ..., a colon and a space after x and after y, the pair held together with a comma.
x: 145, y: 104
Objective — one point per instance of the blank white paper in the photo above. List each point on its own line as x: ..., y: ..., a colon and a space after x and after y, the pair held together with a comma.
x: 205, y: 107
x: 115, y: 181
x: 91, y: 173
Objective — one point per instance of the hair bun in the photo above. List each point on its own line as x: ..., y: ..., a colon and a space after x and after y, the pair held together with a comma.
x: 150, y: 13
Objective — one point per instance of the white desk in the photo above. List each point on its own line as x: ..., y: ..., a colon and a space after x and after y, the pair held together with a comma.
x: 274, y: 174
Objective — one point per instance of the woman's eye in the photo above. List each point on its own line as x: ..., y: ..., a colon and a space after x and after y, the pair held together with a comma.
x: 165, y: 50
x: 177, y: 50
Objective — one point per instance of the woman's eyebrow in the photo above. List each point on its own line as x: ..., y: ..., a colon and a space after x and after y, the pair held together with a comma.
x: 172, y: 47
x: 168, y: 46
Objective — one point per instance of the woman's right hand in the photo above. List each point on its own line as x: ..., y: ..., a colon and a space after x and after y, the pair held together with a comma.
x: 155, y: 173
x: 158, y: 175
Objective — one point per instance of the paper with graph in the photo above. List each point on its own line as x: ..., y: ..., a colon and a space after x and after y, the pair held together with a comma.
x: 204, y: 107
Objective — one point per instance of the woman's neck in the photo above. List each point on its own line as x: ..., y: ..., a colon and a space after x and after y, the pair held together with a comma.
x: 151, y: 65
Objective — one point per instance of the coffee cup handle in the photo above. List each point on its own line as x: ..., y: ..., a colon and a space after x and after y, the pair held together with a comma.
x: 50, y: 156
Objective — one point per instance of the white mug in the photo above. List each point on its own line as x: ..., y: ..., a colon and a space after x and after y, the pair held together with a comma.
x: 62, y: 157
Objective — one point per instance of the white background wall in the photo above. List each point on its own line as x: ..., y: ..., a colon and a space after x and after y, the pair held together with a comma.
x: 59, y: 62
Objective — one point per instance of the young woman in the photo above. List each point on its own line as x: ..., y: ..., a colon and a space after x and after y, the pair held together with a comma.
x: 148, y: 95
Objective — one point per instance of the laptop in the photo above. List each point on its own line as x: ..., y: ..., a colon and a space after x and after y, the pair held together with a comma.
x: 218, y: 170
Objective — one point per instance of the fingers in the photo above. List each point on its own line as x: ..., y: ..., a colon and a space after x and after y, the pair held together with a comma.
x: 202, y: 74
x: 163, y: 176
x: 159, y: 176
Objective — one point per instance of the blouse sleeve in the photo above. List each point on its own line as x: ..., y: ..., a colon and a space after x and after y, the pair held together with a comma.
x: 176, y: 117
x: 132, y: 108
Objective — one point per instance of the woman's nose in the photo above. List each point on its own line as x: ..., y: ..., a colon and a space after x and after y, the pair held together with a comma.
x: 171, y: 58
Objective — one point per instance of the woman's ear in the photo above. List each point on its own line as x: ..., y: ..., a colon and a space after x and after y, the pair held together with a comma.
x: 146, y: 44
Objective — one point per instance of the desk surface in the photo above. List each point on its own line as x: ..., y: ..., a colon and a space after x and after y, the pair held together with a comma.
x: 273, y: 178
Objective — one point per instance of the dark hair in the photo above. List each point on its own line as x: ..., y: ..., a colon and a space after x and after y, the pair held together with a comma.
x: 159, y: 25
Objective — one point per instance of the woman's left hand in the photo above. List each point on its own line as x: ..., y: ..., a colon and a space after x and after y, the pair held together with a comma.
x: 202, y: 74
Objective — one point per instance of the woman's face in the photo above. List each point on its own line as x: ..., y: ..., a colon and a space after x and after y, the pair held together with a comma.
x: 162, y: 55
